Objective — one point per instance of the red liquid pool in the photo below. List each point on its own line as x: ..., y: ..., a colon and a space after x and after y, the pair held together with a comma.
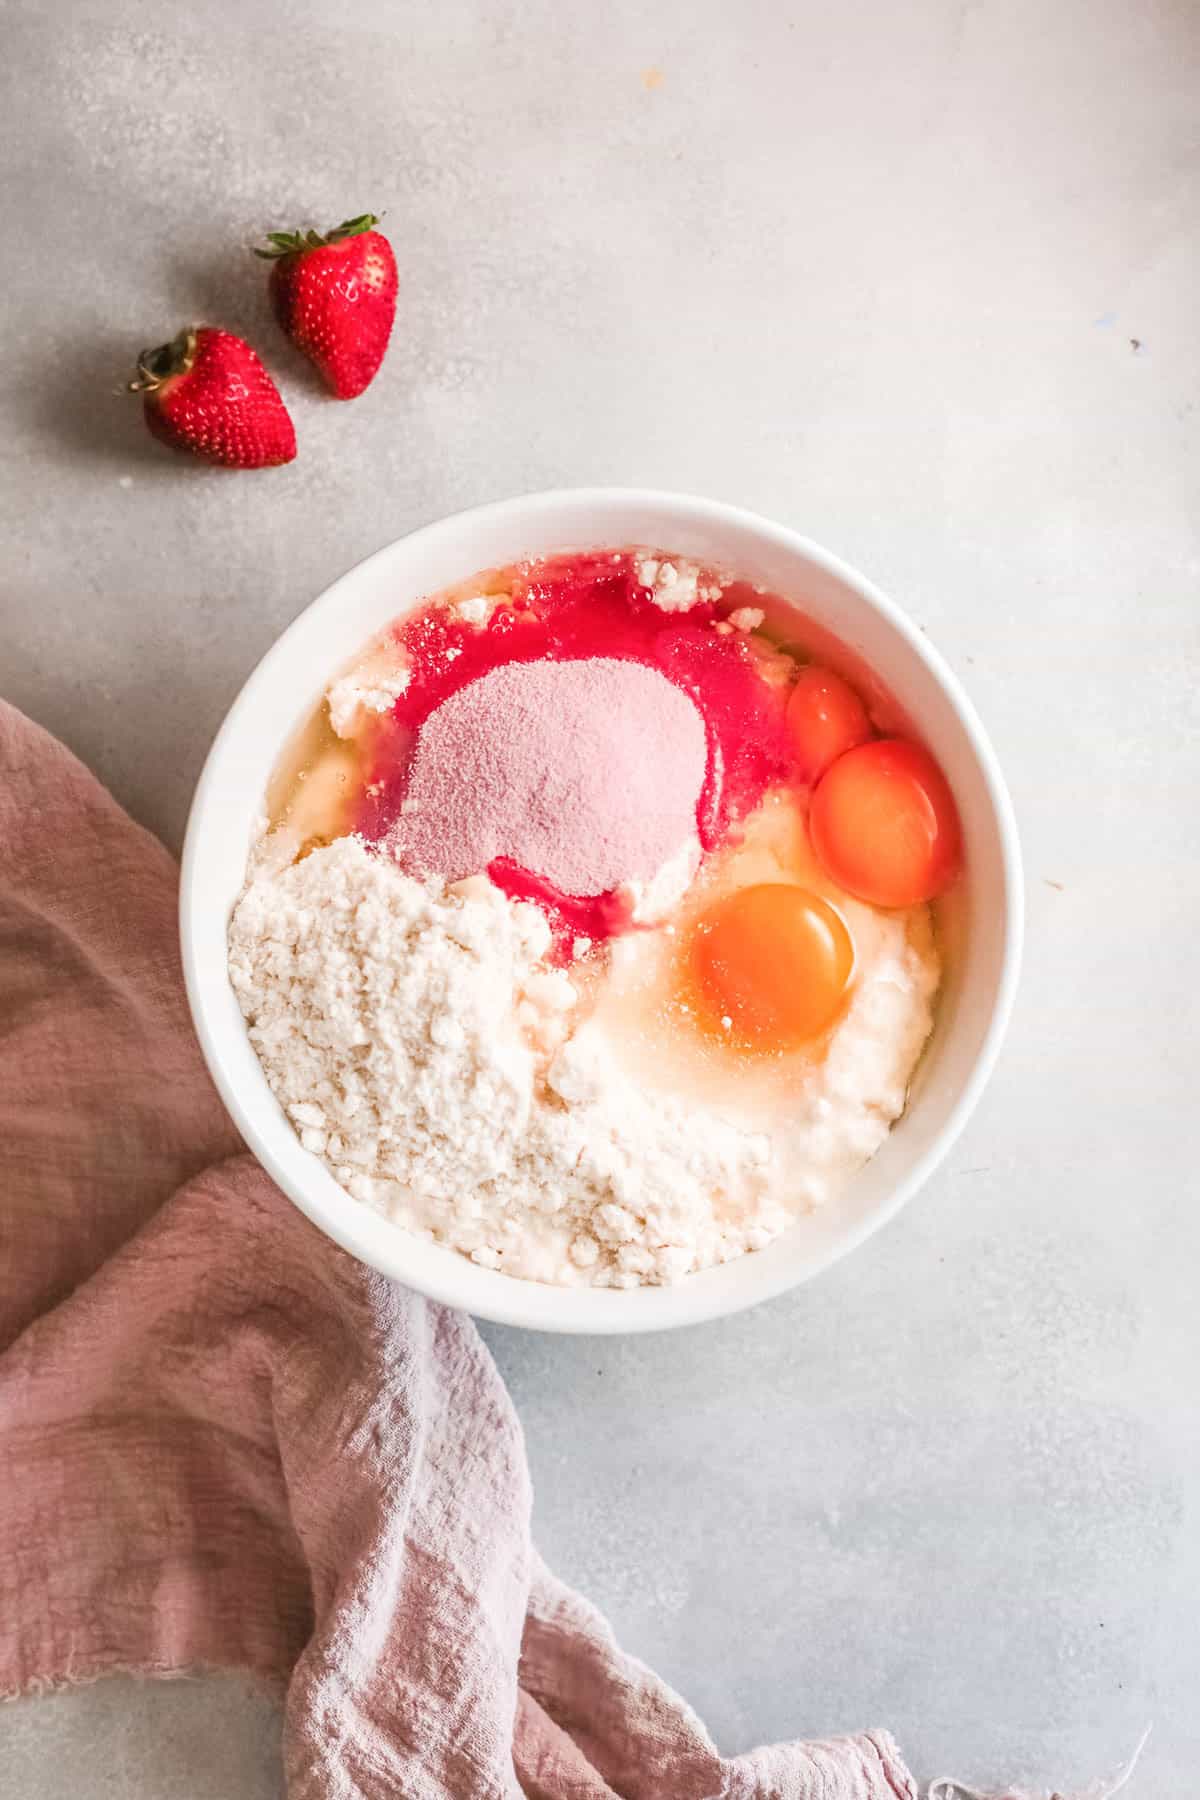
x: 571, y: 608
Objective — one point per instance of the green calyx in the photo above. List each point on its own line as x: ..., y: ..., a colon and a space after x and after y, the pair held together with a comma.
x: 156, y: 366
x: 294, y: 243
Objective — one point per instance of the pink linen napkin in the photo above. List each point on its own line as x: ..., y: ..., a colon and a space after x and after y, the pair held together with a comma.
x: 224, y: 1443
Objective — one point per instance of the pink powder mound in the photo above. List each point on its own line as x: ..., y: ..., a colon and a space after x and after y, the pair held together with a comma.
x: 584, y: 773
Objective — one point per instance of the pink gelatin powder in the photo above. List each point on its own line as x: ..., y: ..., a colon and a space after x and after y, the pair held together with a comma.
x: 611, y: 777
x: 586, y: 774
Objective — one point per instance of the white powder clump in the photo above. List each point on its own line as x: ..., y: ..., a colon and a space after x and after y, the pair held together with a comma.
x: 473, y: 611
x: 652, y: 899
x: 747, y: 618
x: 422, y: 1047
x: 674, y: 586
x: 368, y: 688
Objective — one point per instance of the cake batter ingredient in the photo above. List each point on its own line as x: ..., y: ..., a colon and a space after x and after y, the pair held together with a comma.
x: 421, y: 1048
x: 415, y: 1040
x: 373, y: 686
x: 675, y: 586
x: 884, y: 824
x: 826, y: 1104
x: 474, y: 609
x: 571, y: 610
x: 771, y: 965
x: 586, y: 774
x: 746, y: 618
x: 825, y: 718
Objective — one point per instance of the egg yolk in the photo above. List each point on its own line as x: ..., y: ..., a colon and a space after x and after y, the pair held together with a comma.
x: 825, y: 718
x: 771, y: 965
x: 884, y: 824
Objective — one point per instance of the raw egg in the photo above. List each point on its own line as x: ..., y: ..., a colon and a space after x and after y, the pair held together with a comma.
x: 884, y: 824
x: 825, y: 718
x: 770, y: 966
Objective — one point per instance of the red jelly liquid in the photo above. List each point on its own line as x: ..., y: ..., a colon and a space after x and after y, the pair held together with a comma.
x: 565, y: 609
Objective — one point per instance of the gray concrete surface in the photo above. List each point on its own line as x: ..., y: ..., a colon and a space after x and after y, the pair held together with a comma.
x: 922, y: 280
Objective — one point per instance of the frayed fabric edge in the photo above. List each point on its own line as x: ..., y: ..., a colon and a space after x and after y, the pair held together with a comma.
x: 946, y: 1788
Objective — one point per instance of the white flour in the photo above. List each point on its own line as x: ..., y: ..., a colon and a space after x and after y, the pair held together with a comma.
x: 412, y: 1037
x: 423, y: 1049
x: 674, y: 586
x: 373, y: 686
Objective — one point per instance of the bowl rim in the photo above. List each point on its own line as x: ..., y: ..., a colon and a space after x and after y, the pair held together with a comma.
x: 674, y: 1305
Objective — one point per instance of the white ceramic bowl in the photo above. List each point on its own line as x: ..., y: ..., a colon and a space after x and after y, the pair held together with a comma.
x: 984, y: 924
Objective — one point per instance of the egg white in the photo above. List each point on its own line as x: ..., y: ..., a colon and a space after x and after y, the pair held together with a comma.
x: 646, y: 1017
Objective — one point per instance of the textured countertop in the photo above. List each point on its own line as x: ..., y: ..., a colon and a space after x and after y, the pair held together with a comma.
x: 922, y: 281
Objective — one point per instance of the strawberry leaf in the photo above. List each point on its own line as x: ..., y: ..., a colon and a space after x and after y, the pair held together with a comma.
x: 295, y: 243
x: 353, y: 227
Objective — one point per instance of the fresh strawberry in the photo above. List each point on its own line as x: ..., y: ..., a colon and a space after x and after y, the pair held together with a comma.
x: 207, y: 392
x: 335, y: 297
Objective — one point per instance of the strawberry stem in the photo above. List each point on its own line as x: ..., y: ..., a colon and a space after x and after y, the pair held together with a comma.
x: 294, y: 243
x: 156, y: 366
